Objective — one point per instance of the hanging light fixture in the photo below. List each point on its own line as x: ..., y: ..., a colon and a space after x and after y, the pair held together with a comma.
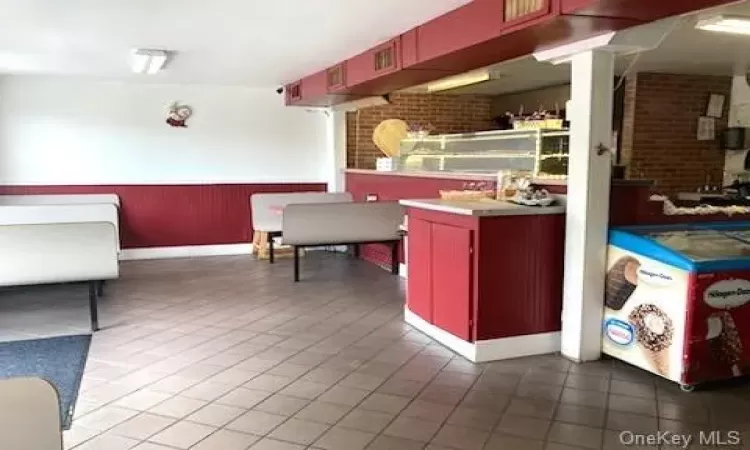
x: 148, y: 61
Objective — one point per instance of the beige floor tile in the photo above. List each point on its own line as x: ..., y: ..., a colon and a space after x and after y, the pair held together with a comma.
x: 108, y: 441
x: 178, y: 407
x: 105, y: 418
x: 142, y: 426
x: 226, y: 440
x: 183, y: 435
x: 216, y: 415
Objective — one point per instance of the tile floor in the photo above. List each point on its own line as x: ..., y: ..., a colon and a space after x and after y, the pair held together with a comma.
x: 229, y: 354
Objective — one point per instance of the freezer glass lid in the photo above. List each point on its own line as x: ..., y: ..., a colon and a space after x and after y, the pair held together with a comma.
x: 705, y: 245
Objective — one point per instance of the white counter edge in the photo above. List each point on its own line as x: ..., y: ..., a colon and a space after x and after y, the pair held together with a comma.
x: 501, y: 210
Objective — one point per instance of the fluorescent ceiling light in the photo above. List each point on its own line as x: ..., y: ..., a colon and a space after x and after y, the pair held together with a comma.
x: 458, y: 81
x: 148, y: 61
x: 726, y: 24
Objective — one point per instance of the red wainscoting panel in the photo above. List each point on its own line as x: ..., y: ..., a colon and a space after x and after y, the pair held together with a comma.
x: 177, y: 215
x: 520, y: 272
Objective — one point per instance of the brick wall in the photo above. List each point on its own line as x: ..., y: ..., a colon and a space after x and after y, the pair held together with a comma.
x: 660, y: 125
x: 446, y: 113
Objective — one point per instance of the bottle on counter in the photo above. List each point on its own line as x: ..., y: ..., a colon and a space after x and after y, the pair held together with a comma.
x: 504, y: 183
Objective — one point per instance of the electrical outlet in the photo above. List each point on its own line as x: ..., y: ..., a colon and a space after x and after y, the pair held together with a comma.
x: 371, y: 198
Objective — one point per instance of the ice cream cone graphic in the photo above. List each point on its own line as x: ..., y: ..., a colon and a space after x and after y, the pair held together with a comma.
x: 621, y: 282
x: 659, y: 360
x: 654, y: 331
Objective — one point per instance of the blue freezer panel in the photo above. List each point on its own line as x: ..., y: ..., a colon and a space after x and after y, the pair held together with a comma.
x: 701, y: 247
x: 648, y: 247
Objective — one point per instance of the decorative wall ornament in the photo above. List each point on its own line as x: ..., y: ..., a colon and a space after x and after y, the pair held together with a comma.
x: 178, y: 115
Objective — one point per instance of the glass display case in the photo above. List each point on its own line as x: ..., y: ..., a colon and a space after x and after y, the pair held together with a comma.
x: 540, y: 153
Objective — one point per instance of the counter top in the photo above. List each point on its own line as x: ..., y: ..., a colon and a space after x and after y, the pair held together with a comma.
x: 481, y: 208
x: 480, y: 177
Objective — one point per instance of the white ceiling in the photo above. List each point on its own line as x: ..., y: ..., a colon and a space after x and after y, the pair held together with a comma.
x: 243, y: 42
x: 686, y: 50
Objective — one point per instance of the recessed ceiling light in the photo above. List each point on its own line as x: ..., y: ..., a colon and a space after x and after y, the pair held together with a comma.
x: 148, y: 61
x: 467, y: 79
x: 726, y: 24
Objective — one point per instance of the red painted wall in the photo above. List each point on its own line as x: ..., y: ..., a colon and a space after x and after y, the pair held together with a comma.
x: 176, y: 215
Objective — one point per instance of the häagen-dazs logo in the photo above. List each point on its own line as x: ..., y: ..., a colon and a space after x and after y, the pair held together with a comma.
x: 654, y: 276
x: 728, y: 294
x: 619, y: 332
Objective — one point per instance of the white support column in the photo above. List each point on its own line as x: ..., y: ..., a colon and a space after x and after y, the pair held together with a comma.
x: 588, y: 203
x: 336, y: 161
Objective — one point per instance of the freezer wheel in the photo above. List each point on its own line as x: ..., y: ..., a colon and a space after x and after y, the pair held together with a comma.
x: 687, y: 387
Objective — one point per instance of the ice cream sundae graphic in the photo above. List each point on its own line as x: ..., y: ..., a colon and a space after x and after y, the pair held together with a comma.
x: 725, y: 341
x: 654, y: 333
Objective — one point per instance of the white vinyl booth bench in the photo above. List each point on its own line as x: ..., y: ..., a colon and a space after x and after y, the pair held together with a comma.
x: 45, y: 240
x: 353, y: 224
x: 267, y: 210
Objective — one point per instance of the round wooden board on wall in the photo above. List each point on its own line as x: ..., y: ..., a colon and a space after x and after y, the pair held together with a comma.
x: 388, y: 136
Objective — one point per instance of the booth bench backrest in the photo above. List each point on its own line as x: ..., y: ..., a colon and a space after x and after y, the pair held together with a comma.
x: 62, y: 214
x: 266, y: 209
x: 341, y: 223
x: 60, y: 199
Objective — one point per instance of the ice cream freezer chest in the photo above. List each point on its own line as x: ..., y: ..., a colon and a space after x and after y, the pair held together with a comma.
x: 677, y: 300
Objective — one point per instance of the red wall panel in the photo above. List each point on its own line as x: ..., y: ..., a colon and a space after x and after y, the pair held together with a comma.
x: 176, y: 215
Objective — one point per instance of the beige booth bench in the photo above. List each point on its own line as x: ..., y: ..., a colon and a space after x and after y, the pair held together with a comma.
x: 60, y: 243
x: 267, y: 212
x: 313, y: 225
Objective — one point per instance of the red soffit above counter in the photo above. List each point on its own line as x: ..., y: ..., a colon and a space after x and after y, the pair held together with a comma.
x: 478, y: 34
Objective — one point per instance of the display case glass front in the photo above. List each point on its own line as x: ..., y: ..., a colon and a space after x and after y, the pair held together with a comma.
x: 540, y: 153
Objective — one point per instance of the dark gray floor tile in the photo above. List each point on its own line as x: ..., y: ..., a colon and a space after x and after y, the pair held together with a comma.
x: 539, y: 391
x: 541, y: 409
x: 620, y: 421
x: 486, y: 400
x: 632, y: 405
x: 461, y: 437
x: 424, y: 410
x: 693, y: 414
x: 481, y: 419
x: 584, y: 398
x: 413, y: 429
x: 404, y: 388
x: 581, y: 415
x: 578, y: 435
x: 508, y: 442
x: 527, y: 427
x: 391, y: 404
x: 647, y: 391
x: 617, y: 440
x: 587, y: 383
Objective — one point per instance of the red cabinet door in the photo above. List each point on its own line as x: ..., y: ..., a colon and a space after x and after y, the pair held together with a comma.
x: 419, y: 285
x: 451, y: 279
